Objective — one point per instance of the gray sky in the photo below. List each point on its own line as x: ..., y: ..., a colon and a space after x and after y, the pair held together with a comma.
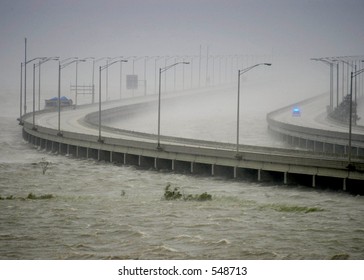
x: 291, y: 29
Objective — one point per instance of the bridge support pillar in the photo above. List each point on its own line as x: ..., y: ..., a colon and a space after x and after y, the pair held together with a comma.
x: 285, y: 179
x: 172, y: 164
x: 259, y: 175
x: 313, y: 181
x: 344, y: 184
x: 235, y: 172
x: 212, y: 169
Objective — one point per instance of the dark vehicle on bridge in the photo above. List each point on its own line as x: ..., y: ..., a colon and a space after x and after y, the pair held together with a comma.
x: 53, y: 102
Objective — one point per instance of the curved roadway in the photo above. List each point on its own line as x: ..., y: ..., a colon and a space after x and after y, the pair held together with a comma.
x: 73, y: 120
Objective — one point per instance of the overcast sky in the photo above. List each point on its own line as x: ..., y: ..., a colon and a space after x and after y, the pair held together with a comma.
x: 293, y: 29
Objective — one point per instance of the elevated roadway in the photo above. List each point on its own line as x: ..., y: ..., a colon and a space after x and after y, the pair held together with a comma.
x: 290, y: 166
x: 312, y: 129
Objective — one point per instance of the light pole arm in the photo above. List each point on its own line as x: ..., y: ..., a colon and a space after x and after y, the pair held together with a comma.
x: 240, y: 72
x: 161, y: 70
x: 326, y: 61
x: 347, y: 63
x: 356, y: 73
x: 100, y: 70
x: 64, y: 60
x: 109, y: 64
x: 251, y: 67
x: 170, y: 66
x: 48, y: 59
x: 69, y: 63
x: 41, y: 58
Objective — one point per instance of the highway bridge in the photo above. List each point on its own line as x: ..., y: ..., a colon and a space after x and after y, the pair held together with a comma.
x: 319, y: 161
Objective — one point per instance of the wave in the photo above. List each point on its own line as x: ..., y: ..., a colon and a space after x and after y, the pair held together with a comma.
x: 221, y: 242
x: 163, y: 251
x: 291, y: 208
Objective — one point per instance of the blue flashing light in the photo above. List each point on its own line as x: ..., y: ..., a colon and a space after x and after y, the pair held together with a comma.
x: 296, y: 111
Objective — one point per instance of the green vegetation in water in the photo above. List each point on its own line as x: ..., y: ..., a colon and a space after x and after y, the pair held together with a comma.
x: 343, y: 256
x: 10, y: 197
x: 175, y: 194
x: 45, y: 196
x: 292, y: 208
x: 30, y: 196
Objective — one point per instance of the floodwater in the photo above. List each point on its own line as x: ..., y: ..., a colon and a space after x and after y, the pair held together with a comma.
x: 84, y: 209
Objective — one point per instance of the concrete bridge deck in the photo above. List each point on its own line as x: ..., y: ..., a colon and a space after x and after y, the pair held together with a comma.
x: 314, y: 130
x: 290, y: 166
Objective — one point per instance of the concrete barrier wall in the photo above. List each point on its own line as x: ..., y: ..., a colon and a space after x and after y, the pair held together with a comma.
x: 318, y: 140
x: 203, y: 157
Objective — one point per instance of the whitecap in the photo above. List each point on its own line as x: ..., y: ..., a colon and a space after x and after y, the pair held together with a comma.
x: 222, y: 242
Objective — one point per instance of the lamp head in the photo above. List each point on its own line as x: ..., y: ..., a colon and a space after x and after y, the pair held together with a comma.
x: 268, y: 64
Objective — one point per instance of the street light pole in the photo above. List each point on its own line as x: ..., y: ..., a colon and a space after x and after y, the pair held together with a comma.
x: 348, y: 65
x: 191, y: 78
x: 60, y: 67
x: 25, y: 77
x: 121, y: 74
x: 76, y: 87
x: 155, y: 72
x: 21, y: 93
x: 159, y: 109
x: 100, y: 69
x: 135, y: 58
x: 109, y: 59
x: 93, y: 77
x: 165, y: 66
x: 240, y: 72
x: 33, y: 113
x: 161, y: 70
x: 337, y: 85
x: 59, y: 99
x: 146, y: 58
x: 39, y: 74
x: 331, y: 64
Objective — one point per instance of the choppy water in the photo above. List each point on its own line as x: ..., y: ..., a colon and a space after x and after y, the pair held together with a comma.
x: 102, y: 211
